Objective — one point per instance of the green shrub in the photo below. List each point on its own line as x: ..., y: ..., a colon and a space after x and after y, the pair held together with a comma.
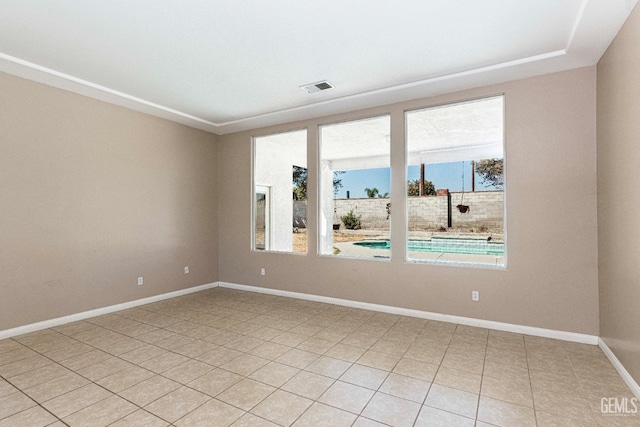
x: 351, y: 221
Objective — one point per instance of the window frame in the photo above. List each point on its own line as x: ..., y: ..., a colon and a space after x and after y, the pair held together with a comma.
x: 254, y: 186
x: 457, y: 263
x: 313, y: 147
x: 320, y: 189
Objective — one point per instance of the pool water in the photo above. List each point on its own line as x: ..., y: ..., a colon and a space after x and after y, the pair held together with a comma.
x: 453, y: 245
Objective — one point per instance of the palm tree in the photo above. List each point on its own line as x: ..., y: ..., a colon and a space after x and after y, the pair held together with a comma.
x: 371, y: 192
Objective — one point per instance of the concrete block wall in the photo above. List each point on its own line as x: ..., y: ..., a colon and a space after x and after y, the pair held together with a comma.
x: 373, y: 211
x: 486, y: 209
x: 427, y: 213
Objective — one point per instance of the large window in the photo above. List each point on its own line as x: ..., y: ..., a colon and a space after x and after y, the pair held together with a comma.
x: 279, y: 188
x: 455, y: 183
x: 354, y: 188
x: 455, y: 179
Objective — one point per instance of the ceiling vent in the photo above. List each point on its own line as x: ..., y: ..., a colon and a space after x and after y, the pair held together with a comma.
x: 317, y: 87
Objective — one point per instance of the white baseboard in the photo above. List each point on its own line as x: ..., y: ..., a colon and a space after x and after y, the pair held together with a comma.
x: 626, y: 376
x: 500, y: 326
x: 8, y: 333
x: 489, y: 324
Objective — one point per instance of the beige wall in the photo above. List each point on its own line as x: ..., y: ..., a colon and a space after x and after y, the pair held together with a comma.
x: 93, y: 196
x: 618, y: 188
x: 551, y: 278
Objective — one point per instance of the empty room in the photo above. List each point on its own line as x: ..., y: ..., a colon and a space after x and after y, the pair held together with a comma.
x: 290, y: 213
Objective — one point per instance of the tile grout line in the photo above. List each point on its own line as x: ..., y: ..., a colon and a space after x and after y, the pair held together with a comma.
x: 33, y: 400
x: 90, y: 380
x: 533, y: 400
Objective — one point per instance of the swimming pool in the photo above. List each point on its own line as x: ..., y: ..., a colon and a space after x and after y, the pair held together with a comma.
x: 453, y: 245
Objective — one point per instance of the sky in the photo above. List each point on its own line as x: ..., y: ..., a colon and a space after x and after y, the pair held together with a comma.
x: 443, y: 175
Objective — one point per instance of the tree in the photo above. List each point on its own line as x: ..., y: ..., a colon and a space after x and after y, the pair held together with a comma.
x: 371, y: 192
x: 491, y: 171
x: 413, y: 188
x: 300, y: 182
x: 337, y: 182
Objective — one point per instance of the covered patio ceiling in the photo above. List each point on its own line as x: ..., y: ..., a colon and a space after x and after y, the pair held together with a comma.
x: 451, y: 133
x: 464, y: 131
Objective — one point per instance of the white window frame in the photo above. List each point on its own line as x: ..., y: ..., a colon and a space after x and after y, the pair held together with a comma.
x: 500, y: 266
x: 266, y: 190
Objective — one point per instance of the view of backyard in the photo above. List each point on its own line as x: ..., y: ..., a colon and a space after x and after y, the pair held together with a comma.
x: 475, y: 236
x: 454, y: 200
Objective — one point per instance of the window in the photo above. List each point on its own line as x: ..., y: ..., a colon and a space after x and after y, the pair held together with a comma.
x: 455, y: 180
x: 279, y: 206
x: 455, y: 177
x: 354, y: 188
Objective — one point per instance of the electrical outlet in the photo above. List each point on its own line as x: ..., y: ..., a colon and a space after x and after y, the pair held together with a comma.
x: 263, y: 271
x: 186, y: 270
x: 140, y: 280
x: 475, y: 295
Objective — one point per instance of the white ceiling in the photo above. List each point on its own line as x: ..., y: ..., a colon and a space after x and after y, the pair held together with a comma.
x: 225, y: 66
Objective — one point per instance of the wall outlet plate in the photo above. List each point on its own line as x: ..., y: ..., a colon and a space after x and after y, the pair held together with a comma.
x: 475, y: 295
x: 140, y: 280
x: 186, y: 270
x: 263, y: 271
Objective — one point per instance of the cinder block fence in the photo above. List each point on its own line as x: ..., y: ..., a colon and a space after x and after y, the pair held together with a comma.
x: 486, y: 209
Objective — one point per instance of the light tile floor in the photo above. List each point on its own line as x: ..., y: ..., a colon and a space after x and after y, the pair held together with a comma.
x: 225, y: 357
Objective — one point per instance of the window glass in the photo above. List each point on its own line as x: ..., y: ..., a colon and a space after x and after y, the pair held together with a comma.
x: 280, y: 165
x: 355, y: 188
x: 455, y: 183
